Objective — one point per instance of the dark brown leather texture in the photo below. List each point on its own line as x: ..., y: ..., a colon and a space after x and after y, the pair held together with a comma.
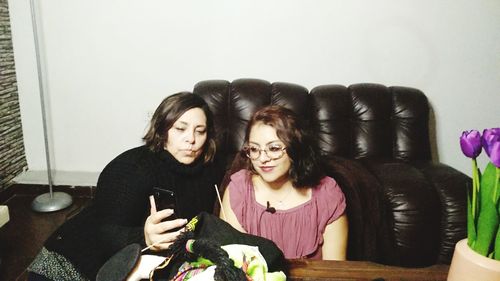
x: 403, y: 208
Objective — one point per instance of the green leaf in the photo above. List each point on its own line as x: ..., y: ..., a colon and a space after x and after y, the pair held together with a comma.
x: 487, y: 227
x: 487, y: 224
x: 496, y: 252
x: 487, y: 184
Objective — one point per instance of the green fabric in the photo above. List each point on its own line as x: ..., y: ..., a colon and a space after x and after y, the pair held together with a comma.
x: 249, y: 257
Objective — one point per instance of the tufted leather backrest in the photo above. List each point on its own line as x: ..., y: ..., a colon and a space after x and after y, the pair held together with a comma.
x: 403, y: 209
x: 234, y: 103
x: 349, y: 121
x: 353, y: 121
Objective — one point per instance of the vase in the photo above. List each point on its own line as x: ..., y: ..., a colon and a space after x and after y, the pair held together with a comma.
x: 469, y: 265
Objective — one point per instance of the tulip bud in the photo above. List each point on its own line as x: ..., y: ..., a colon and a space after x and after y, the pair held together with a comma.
x: 491, y: 144
x: 470, y: 142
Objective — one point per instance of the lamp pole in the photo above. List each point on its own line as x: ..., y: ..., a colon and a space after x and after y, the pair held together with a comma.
x: 50, y: 201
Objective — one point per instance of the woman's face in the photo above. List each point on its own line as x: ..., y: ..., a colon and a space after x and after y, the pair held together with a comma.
x: 271, y: 170
x: 187, y: 136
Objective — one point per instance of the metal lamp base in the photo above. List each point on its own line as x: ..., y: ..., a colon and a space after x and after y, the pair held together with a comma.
x: 46, y: 203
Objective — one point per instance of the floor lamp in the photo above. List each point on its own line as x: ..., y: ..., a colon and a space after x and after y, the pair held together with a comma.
x: 50, y: 201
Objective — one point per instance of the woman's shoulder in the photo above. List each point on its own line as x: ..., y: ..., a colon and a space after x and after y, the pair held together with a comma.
x: 240, y: 176
x: 134, y: 153
x: 133, y: 156
x: 239, y: 186
x: 330, y: 198
x: 328, y: 184
x: 328, y: 191
x: 131, y: 161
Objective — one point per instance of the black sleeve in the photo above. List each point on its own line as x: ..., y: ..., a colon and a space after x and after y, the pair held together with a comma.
x: 122, y: 204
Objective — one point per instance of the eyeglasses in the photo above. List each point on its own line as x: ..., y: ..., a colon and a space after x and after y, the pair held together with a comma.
x: 273, y: 151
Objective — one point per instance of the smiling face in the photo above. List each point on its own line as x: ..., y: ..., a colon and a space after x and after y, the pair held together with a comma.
x: 187, y: 136
x: 270, y: 170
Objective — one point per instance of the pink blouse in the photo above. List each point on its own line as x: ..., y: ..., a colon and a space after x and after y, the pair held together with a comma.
x: 298, y: 231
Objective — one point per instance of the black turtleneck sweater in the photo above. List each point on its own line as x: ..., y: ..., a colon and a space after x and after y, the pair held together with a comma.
x: 121, y: 205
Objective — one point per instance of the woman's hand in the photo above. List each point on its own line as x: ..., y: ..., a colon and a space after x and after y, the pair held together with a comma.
x: 157, y: 232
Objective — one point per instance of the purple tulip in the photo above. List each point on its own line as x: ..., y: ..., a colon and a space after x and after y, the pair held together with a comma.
x: 491, y: 144
x: 470, y: 142
x: 488, y: 136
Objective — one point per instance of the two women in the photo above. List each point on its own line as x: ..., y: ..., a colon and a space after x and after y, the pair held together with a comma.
x: 178, y: 155
x: 283, y: 194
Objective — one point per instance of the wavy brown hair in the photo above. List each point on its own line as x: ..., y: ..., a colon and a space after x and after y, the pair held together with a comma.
x: 306, y: 169
x: 169, y: 110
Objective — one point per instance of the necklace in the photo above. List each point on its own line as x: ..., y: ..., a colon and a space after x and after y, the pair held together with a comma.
x: 280, y: 201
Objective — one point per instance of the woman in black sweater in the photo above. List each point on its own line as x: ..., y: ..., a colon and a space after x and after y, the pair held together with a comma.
x: 179, y: 155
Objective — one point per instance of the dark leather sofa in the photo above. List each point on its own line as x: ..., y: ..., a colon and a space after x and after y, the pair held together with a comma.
x: 403, y: 208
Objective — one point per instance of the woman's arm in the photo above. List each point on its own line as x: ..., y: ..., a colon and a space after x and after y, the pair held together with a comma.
x: 121, y: 205
x: 227, y: 214
x: 335, y: 239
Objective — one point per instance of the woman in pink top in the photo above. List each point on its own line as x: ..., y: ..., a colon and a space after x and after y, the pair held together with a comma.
x: 283, y: 194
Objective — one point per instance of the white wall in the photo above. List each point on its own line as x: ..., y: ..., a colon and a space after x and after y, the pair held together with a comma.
x: 109, y: 63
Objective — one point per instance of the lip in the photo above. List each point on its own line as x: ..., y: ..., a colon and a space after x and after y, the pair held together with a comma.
x: 189, y: 151
x: 266, y: 169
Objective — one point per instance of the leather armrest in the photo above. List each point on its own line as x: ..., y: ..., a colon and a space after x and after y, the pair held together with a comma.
x: 451, y: 187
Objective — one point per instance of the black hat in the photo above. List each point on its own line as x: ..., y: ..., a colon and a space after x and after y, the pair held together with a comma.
x: 121, y: 264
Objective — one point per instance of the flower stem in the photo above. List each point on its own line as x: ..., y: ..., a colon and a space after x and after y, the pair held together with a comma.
x: 495, y: 190
x: 475, y: 188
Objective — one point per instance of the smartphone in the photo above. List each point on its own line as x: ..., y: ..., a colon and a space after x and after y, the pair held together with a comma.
x: 165, y: 199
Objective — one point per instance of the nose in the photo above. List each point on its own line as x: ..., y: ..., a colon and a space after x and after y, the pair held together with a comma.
x: 190, y: 137
x: 263, y: 157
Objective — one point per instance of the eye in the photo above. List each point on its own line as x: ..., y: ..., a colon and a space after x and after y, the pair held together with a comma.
x: 201, y: 132
x: 275, y: 148
x: 181, y: 129
x: 253, y: 149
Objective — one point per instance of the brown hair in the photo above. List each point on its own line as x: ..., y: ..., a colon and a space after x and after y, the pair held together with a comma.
x: 169, y: 110
x: 305, y: 170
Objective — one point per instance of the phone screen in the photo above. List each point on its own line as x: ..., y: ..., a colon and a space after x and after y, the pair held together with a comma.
x: 165, y: 199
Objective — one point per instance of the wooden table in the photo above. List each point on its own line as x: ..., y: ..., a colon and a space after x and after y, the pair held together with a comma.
x: 306, y: 270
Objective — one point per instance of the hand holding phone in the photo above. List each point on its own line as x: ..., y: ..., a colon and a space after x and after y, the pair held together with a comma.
x: 161, y: 237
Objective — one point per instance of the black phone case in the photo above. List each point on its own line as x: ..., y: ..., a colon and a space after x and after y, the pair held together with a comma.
x: 165, y: 199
